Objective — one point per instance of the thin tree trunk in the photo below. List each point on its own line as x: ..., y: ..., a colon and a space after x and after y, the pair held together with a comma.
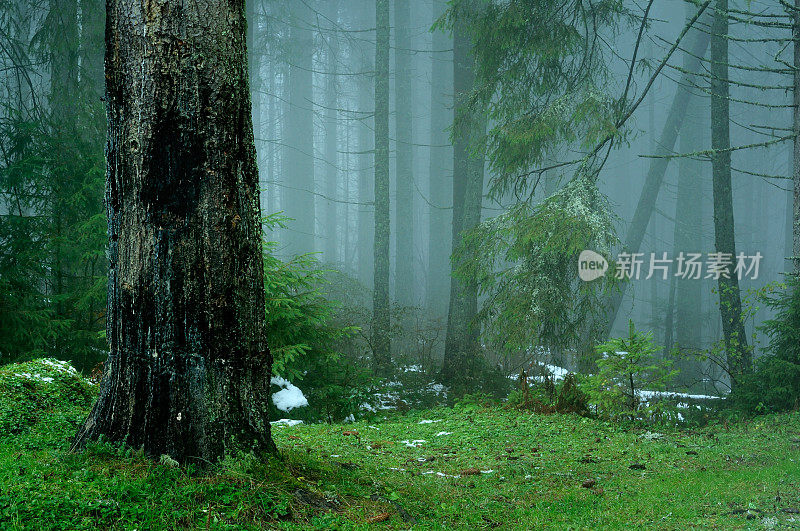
x: 188, y: 373
x: 404, y: 239
x: 440, y: 230
x: 461, y: 342
x: 730, y: 303
x: 381, y: 342
x: 331, y: 142
x: 658, y: 168
x: 687, y: 238
x: 796, y: 150
x: 298, y: 167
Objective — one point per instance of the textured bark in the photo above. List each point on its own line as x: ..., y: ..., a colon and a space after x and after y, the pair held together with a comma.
x: 658, y: 168
x: 188, y: 372
x: 440, y: 230
x: 461, y: 342
x: 730, y: 303
x: 404, y: 240
x: 298, y: 174
x: 381, y: 342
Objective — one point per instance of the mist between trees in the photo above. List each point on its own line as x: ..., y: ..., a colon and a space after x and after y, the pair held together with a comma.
x: 429, y: 174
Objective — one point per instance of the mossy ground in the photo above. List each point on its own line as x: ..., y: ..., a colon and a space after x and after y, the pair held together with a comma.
x: 745, y: 475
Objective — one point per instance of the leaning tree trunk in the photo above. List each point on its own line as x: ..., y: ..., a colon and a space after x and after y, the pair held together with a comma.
x: 658, y: 167
x: 730, y: 303
x: 188, y: 371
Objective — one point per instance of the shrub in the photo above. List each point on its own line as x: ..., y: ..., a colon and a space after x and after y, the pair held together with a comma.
x: 775, y: 383
x: 42, y: 391
x: 627, y: 367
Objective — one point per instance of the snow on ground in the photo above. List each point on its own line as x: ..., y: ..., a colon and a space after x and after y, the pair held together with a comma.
x: 444, y: 433
x: 644, y: 393
x: 289, y: 397
x: 416, y: 443
x: 286, y: 422
x: 429, y: 421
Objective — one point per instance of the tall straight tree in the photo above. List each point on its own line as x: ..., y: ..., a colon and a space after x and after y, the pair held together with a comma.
x: 461, y: 342
x: 188, y: 372
x: 404, y: 239
x: 381, y: 342
x: 440, y: 231
x: 331, y: 137
x: 689, y: 218
x: 730, y: 303
x: 298, y: 174
x: 796, y: 151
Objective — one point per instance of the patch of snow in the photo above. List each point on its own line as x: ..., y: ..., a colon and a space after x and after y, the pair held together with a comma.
x: 289, y: 397
x: 286, y: 422
x: 336, y: 455
x: 412, y: 368
x: 374, y: 427
x: 487, y: 471
x: 416, y: 443
x: 644, y: 393
x: 429, y: 421
x: 444, y: 433
x: 439, y: 474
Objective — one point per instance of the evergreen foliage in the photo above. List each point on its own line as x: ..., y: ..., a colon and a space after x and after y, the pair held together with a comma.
x: 775, y: 384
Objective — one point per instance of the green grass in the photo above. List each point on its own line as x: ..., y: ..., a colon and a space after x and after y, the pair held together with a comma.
x: 746, y: 475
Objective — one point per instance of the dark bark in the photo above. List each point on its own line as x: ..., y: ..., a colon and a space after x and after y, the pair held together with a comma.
x: 381, y: 341
x: 658, y: 168
x: 730, y: 303
x: 440, y: 230
x: 188, y: 373
x: 461, y: 342
x: 404, y: 239
x: 298, y: 177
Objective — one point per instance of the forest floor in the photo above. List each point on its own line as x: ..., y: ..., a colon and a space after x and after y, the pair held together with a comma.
x: 467, y: 467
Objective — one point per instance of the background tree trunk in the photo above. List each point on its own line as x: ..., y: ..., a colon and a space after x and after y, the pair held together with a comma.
x: 405, y: 256
x: 381, y: 341
x: 188, y: 373
x: 461, y: 342
x: 796, y: 150
x: 440, y: 180
x: 658, y: 168
x: 730, y: 303
x: 298, y: 174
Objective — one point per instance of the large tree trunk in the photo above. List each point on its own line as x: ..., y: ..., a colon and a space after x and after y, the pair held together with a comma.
x: 440, y: 179
x: 298, y: 166
x: 404, y: 255
x: 461, y: 341
x: 658, y: 168
x: 188, y: 373
x: 730, y: 303
x: 381, y: 342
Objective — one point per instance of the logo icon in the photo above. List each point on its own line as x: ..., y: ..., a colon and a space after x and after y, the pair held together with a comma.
x: 591, y: 266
